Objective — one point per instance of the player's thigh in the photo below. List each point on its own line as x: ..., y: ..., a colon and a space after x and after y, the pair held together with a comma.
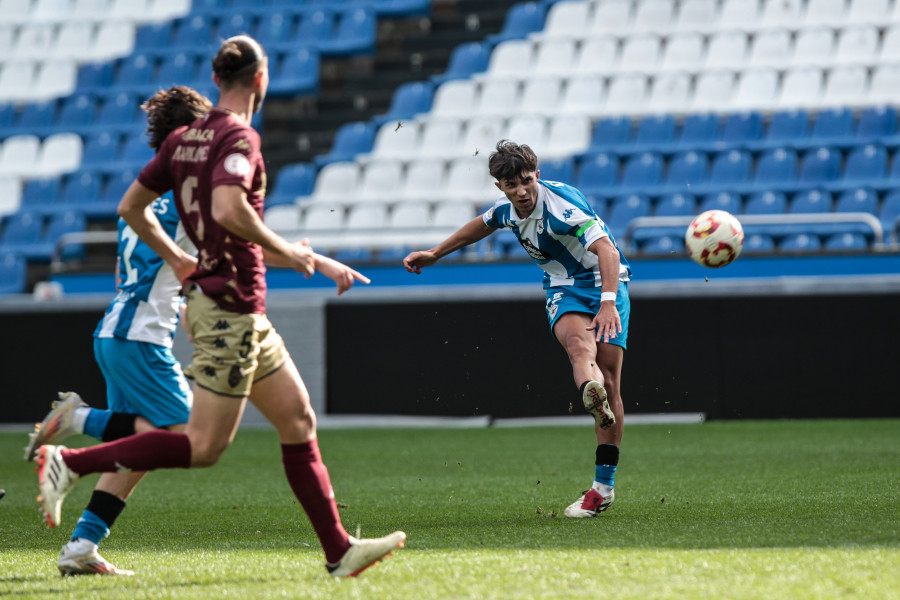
x: 144, y: 379
x: 213, y: 424
x: 283, y: 399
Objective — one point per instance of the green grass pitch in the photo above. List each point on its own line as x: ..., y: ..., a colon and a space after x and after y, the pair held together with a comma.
x: 781, y: 509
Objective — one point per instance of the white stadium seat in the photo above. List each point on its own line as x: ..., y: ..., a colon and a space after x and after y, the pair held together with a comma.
x: 541, y: 95
x: 318, y: 217
x: 739, y: 14
x: 885, y: 85
x: 598, y: 55
x: 567, y: 135
x: 813, y: 47
x: 875, y: 12
x: 713, y: 91
x: 584, y: 95
x: 697, y: 15
x: 16, y: 80
x: 482, y: 134
x: 336, y: 182
x: 727, y: 51
x: 846, y: 85
x: 51, y: 11
x: 684, y: 52
x: 567, y: 19
x: 441, y: 138
x: 72, y: 40
x: 452, y: 215
x: 365, y: 217
x: 164, y: 10
x: 654, y: 16
x: 456, y: 98
x: 19, y: 155
x: 800, y: 86
x: 512, y: 58
x: 669, y: 92
x: 423, y: 177
x: 857, y: 45
x: 782, y: 13
x: 499, y: 97
x: 411, y: 215
x: 528, y: 129
x: 55, y: 78
x: 113, y: 39
x: 626, y: 93
x: 611, y: 17
x: 381, y: 181
x: 828, y: 13
x: 468, y: 180
x: 399, y: 143
x: 15, y: 11
x: 90, y: 10
x: 772, y: 48
x: 10, y: 194
x: 640, y: 53
x: 553, y: 54
x: 890, y: 46
x: 756, y: 88
x: 282, y: 218
x: 34, y: 41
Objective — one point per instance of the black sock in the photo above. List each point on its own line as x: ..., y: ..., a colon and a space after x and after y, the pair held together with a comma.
x: 106, y: 506
x: 120, y: 425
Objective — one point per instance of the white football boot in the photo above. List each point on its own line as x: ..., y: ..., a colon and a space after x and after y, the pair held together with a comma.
x: 57, y: 425
x: 594, y: 398
x: 80, y: 557
x: 55, y: 480
x: 591, y: 504
x: 365, y: 553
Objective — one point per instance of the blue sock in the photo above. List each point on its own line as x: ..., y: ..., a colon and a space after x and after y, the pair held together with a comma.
x: 91, y: 527
x: 605, y: 474
x: 96, y: 423
x: 607, y: 460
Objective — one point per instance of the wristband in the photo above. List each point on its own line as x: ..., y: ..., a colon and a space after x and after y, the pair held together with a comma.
x: 604, y: 296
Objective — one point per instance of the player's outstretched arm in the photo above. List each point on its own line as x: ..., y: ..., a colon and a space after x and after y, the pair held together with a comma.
x: 469, y: 233
x: 135, y: 209
x: 341, y: 274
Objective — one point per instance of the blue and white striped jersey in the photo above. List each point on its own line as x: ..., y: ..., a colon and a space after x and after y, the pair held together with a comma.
x: 146, y: 306
x: 557, y: 235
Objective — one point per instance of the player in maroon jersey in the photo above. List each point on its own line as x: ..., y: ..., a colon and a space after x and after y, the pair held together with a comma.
x: 216, y: 172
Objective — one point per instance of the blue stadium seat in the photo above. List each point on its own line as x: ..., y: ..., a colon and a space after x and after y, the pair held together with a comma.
x: 820, y: 165
x: 731, y: 167
x: 624, y: 210
x: 350, y: 140
x: 833, y: 126
x: 79, y: 189
x: 890, y: 213
x: 867, y: 163
x: 7, y: 119
x: 466, y: 60
x: 135, y: 152
x: 134, y: 74
x: 94, y: 77
x: 687, y: 169
x: 76, y: 114
x: 275, y: 30
x: 522, y: 19
x: 355, y: 33
x: 400, y: 8
x: 811, y: 201
x: 848, y: 241
x: 559, y: 169
x: 727, y: 201
x: 70, y: 221
x: 175, y: 69
x: 800, y: 242
x: 611, y: 133
x: 101, y: 151
x: 353, y: 256
x: 676, y: 205
x: 663, y: 245
x: 23, y: 230
x: 153, y: 37
x: 292, y: 181
x: 37, y: 117
x: 766, y: 203
x: 785, y: 128
x: 392, y: 255
x: 235, y: 23
x: 861, y: 199
x: 699, y: 131
x: 111, y: 194
x: 13, y: 273
x: 741, y: 128
x: 655, y: 131
x: 316, y: 26
x: 408, y: 100
x: 758, y: 243
x: 642, y: 171
x: 193, y: 33
x: 597, y: 173
x: 297, y: 74
x: 504, y: 243
x: 776, y: 167
x: 598, y: 203
x: 876, y: 123
x: 40, y: 195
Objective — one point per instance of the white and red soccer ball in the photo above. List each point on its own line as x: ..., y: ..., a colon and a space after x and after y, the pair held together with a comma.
x: 714, y: 238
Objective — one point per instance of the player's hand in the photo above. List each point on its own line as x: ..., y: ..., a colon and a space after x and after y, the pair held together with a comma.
x: 185, y: 268
x: 340, y: 273
x: 415, y: 261
x: 606, y: 322
x: 302, y: 258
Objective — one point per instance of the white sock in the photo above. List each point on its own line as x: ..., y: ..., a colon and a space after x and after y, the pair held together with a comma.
x: 79, y: 417
x: 602, y: 488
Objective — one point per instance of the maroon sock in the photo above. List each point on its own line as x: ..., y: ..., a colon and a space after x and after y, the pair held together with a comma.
x: 308, y: 477
x: 158, y: 449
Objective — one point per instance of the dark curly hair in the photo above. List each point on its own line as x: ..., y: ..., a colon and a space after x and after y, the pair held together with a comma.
x: 238, y: 60
x: 167, y: 110
x: 509, y: 160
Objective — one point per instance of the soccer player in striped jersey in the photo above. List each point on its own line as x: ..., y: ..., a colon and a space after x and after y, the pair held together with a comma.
x: 216, y: 172
x: 586, y: 282
x: 145, y: 386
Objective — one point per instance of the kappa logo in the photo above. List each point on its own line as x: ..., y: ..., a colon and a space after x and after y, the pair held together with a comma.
x: 221, y: 325
x: 567, y: 213
x: 209, y: 372
x: 553, y: 304
x: 220, y: 343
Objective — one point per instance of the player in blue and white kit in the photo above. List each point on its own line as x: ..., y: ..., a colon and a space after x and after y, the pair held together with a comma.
x: 586, y: 282
x: 145, y: 386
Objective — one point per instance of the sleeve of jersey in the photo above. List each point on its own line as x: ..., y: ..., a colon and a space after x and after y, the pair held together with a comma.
x: 587, y: 228
x: 495, y: 216
x: 155, y: 174
x: 234, y: 160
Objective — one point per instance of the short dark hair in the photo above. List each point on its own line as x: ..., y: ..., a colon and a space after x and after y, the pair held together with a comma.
x: 509, y: 160
x: 167, y: 110
x: 237, y: 61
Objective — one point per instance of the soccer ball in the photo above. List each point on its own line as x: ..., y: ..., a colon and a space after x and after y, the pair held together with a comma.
x: 714, y: 238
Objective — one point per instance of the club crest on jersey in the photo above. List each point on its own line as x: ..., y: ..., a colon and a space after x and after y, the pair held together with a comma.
x: 553, y: 304
x: 237, y: 164
x: 533, y: 251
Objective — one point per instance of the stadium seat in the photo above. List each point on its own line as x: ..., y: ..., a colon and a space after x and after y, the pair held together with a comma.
x: 597, y: 173
x: 318, y: 217
x: 499, y: 97
x: 684, y: 51
x: 624, y: 210
x: 60, y: 153
x: 37, y: 117
x: 456, y: 98
x: 848, y: 241
x: 113, y: 39
x: 766, y: 203
x: 800, y: 242
x: 34, y: 41
x: 19, y: 155
x: 380, y: 182
x: 235, y: 23
x: 890, y: 45
x: 884, y: 87
x: 697, y: 15
x: 862, y: 199
x: 781, y: 13
x: 482, y: 133
x: 713, y: 90
x: 771, y: 48
x: 811, y: 201
x: 669, y: 92
x: 422, y: 178
x: 16, y: 81
x: 175, y: 69
x: 410, y: 215
x: 71, y: 39
x: 642, y: 171
x: 293, y: 181
x: 599, y: 55
x: 876, y: 122
x: 868, y: 12
x: 559, y: 169
x: 583, y: 95
x: 786, y: 127
x: 441, y: 138
x: 115, y: 186
x: 70, y: 221
x: 134, y: 74
x: 889, y: 213
x: 835, y: 125
x: 94, y: 77
x: 776, y: 168
x: 466, y: 60
x: 275, y: 30
x: 192, y: 33
x: 814, y: 47
x: 699, y: 130
x: 846, y: 85
x: 13, y: 273
x: 727, y: 201
x: 468, y: 180
x: 866, y: 163
x: 541, y: 95
x: 152, y: 37
x: 856, y: 45
x: 726, y: 49
x: 10, y: 195
x: 370, y: 216
x: 41, y: 194
x: 611, y: 17
x: 23, y: 230
x: 820, y: 165
x: 452, y: 215
x: 730, y: 167
x: 336, y: 182
x: 687, y: 170
x: 512, y: 58
x: 282, y: 218
x: 409, y: 100
x: 799, y: 85
x: 663, y: 245
x: 627, y: 94
x: 135, y: 152
x: 297, y: 73
x: 397, y: 140
x: 740, y: 128
x: 567, y: 135
x: 756, y: 89
x: 80, y: 189
x: 758, y: 243
x: 654, y: 131
x: 355, y: 33
x: 676, y: 205
x: 76, y: 113
x: 119, y: 112
x: 523, y: 18
x: 101, y: 151
x: 530, y: 129
x: 568, y: 20
x: 824, y: 13
x: 350, y: 140
x: 641, y: 53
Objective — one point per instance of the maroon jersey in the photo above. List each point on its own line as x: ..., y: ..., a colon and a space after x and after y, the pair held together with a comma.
x: 217, y: 149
